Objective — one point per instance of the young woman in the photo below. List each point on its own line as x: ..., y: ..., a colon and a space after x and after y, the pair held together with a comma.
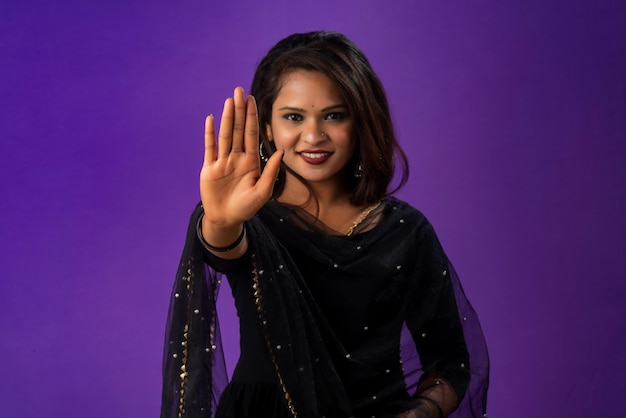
x: 348, y: 306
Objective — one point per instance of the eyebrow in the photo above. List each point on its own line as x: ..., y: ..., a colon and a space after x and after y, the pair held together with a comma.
x: 326, y: 109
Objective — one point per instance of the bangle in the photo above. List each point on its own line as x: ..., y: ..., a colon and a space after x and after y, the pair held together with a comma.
x: 209, y: 247
x: 432, y: 402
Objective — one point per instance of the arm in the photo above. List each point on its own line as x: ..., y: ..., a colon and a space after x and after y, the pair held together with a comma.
x: 435, y: 324
x: 232, y: 187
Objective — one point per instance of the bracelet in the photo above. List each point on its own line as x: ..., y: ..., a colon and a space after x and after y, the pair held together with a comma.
x: 432, y: 402
x: 209, y: 247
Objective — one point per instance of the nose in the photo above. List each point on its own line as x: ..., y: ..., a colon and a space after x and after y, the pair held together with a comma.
x: 312, y: 132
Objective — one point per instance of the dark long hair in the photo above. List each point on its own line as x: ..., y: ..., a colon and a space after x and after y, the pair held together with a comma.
x: 337, y: 57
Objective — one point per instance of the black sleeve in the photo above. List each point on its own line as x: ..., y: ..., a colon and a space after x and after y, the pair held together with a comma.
x: 432, y: 315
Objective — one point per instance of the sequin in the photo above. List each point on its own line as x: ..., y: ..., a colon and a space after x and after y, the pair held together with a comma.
x: 387, y: 371
x: 196, y: 311
x: 175, y: 355
x: 278, y: 347
x: 401, y: 221
x: 445, y: 272
x: 463, y: 365
x: 335, y: 265
x: 398, y: 267
x: 347, y: 355
x: 366, y: 328
x: 176, y: 295
x: 358, y: 247
x: 424, y: 335
x: 374, y: 397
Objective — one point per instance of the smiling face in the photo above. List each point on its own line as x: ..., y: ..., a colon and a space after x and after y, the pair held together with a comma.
x: 310, y: 121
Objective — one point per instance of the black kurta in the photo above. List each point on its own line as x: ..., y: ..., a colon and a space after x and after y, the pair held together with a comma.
x: 340, y: 326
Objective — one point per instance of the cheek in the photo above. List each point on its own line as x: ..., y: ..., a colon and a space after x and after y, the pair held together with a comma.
x: 350, y: 139
x: 283, y: 139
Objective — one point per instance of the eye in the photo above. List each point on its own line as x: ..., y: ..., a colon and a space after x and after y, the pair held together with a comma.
x: 293, y: 117
x: 335, y: 116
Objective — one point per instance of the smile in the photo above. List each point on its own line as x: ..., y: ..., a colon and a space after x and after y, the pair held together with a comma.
x: 315, y: 157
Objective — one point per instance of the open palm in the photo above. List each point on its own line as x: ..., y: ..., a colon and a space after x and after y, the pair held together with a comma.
x: 232, y: 186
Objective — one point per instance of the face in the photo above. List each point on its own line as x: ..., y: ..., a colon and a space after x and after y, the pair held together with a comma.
x: 310, y: 121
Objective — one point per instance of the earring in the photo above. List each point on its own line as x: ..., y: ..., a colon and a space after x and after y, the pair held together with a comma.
x: 358, y: 170
x: 263, y: 157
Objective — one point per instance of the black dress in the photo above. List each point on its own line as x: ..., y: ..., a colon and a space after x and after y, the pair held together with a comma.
x: 345, y: 326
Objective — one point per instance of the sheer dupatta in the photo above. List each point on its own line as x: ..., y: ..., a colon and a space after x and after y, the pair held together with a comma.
x: 194, y: 370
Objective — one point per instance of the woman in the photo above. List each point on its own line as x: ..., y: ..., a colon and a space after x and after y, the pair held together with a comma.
x: 348, y: 306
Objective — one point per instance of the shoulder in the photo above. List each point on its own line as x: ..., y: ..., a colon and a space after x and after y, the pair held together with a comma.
x: 399, y: 209
x: 411, y: 220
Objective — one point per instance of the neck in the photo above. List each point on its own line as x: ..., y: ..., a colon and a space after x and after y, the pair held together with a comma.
x: 321, y: 196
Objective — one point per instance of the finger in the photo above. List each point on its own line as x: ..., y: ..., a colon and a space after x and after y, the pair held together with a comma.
x: 265, y: 184
x: 225, y: 136
x: 251, y: 134
x: 240, y: 120
x: 209, y: 140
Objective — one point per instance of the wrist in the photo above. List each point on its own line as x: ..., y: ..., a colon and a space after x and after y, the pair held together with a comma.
x: 219, y: 238
x: 429, y: 407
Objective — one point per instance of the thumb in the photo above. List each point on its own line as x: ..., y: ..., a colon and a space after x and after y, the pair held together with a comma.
x: 270, y: 172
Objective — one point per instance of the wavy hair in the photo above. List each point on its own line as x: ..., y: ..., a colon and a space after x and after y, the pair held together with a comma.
x: 334, y: 55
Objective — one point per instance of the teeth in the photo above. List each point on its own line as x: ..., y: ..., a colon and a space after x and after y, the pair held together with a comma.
x: 315, y: 154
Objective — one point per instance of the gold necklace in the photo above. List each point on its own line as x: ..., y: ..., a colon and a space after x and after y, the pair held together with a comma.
x: 362, y: 217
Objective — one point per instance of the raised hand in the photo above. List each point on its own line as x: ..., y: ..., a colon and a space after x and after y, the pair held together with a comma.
x: 232, y: 187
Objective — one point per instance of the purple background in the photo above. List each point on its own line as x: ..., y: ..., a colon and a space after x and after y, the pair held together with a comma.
x: 513, y: 115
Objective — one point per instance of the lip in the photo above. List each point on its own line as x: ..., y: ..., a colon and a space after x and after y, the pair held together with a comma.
x: 315, y: 157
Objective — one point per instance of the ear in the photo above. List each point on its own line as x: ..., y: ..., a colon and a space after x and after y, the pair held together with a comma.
x: 268, y: 132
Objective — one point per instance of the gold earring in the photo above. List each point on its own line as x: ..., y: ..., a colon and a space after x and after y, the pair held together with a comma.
x: 358, y: 171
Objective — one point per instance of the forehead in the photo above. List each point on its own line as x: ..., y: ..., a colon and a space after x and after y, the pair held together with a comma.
x: 303, y: 87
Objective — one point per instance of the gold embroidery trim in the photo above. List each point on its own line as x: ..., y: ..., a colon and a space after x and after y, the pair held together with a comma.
x: 184, y: 343
x: 259, y: 307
